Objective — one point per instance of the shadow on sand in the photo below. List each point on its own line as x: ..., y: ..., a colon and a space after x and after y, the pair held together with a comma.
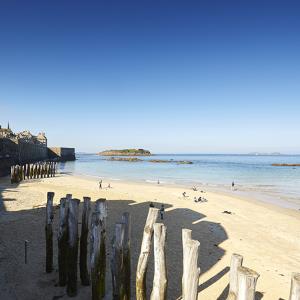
x: 29, y: 281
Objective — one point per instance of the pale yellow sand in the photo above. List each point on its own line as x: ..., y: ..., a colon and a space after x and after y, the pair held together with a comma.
x: 267, y: 236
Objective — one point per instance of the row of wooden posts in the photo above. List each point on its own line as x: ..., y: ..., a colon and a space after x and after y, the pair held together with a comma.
x: 242, y: 280
x: 29, y: 171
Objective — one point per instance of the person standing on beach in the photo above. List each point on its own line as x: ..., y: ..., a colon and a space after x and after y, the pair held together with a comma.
x: 100, y: 184
x: 158, y: 181
x: 162, y: 210
x: 232, y: 186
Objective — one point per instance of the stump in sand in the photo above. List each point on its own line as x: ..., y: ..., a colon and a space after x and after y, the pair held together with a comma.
x: 160, y: 271
x: 191, y: 271
x: 49, y: 232
x: 295, y: 287
x: 236, y: 261
x: 120, y: 262
x: 98, y: 250
x: 72, y: 247
x: 247, y: 280
x: 63, y: 241
x: 144, y: 254
x: 84, y: 274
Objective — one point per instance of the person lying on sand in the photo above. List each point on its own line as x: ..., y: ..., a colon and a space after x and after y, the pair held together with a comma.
x: 184, y: 194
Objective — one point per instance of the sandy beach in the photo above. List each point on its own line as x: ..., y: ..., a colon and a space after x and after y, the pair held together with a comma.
x: 266, y: 235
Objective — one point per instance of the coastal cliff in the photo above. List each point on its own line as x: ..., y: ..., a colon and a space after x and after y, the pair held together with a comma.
x: 126, y: 152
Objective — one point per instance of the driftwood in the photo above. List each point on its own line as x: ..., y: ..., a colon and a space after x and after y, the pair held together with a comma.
x: 191, y: 271
x: 236, y: 261
x: 247, y: 280
x: 295, y: 287
x: 98, y: 250
x: 63, y: 241
x: 72, y: 247
x: 84, y: 274
x: 120, y: 262
x: 144, y: 254
x: 49, y: 232
x: 160, y: 271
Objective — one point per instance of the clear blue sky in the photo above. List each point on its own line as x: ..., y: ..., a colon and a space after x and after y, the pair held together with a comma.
x: 169, y: 76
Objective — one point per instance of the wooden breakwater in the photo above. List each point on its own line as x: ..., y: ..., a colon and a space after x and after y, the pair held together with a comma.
x: 19, y: 173
x: 93, y: 239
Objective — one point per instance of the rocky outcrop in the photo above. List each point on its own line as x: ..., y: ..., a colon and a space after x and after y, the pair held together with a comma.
x: 130, y: 159
x: 126, y: 152
x: 180, y: 162
x: 286, y: 165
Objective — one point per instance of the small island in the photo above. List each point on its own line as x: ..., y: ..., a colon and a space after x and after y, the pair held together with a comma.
x: 126, y: 152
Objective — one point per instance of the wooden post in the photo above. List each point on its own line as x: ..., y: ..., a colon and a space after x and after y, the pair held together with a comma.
x: 63, y: 241
x: 24, y: 172
x: 35, y: 171
x: 126, y: 220
x: 101, y: 208
x: 191, y: 271
x: 98, y: 250
x: 295, y: 287
x: 95, y: 256
x: 160, y: 272
x: 144, y: 254
x: 72, y: 247
x: 84, y: 274
x: 120, y: 261
x: 11, y: 174
x: 236, y: 261
x: 49, y: 232
x: 117, y: 263
x: 247, y: 279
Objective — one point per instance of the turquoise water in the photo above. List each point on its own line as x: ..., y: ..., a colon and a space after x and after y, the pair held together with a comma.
x: 250, y: 173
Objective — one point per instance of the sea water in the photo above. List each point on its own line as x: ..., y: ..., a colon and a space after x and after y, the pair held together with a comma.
x: 251, y: 173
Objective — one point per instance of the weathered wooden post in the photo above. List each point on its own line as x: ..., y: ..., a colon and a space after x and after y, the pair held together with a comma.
x: 247, y: 280
x: 120, y: 260
x: 98, y: 250
x: 117, y: 263
x: 49, y: 232
x: 126, y: 220
x: 236, y: 261
x: 72, y: 247
x: 191, y: 271
x: 28, y: 171
x: 24, y: 172
x: 144, y: 254
x: 31, y: 171
x: 84, y: 274
x: 35, y: 171
x: 63, y: 241
x: 12, y: 174
x: 160, y: 272
x: 295, y: 287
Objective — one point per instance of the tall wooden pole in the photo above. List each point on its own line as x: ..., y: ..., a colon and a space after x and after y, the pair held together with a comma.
x: 159, y: 290
x: 63, y: 241
x: 191, y: 271
x: 236, y: 261
x: 84, y: 274
x: 72, y: 247
x: 120, y: 260
x: 144, y: 254
x: 49, y: 232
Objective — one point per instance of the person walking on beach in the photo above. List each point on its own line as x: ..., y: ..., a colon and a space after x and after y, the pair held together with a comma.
x: 100, y: 184
x: 232, y: 186
x: 161, y: 211
x: 158, y: 181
